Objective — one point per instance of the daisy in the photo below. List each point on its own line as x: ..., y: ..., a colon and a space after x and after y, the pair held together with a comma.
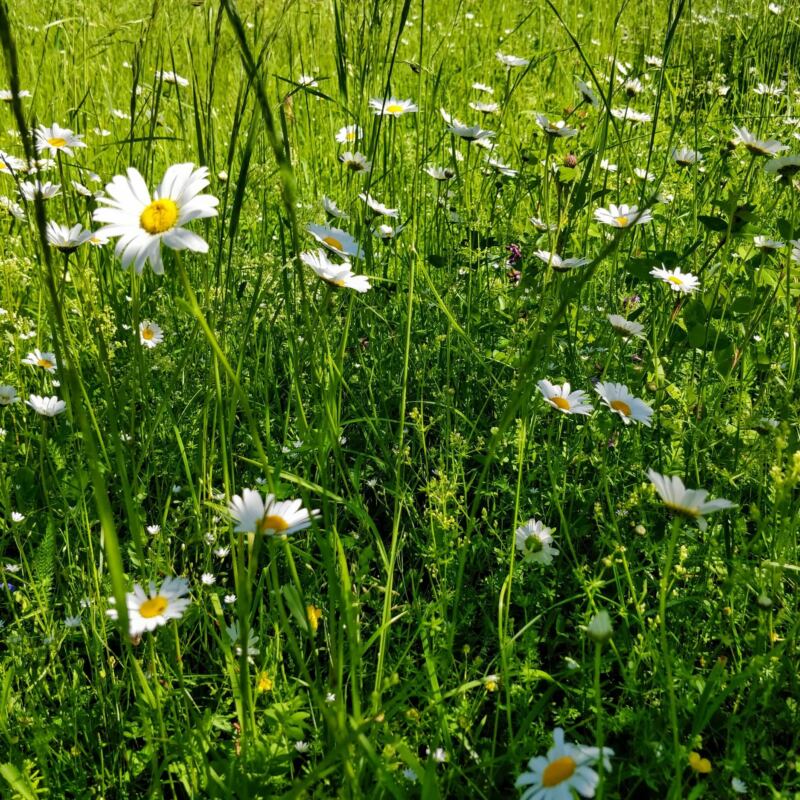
x: 587, y: 94
x: 561, y: 398
x: 468, y: 133
x: 440, y: 173
x: 208, y: 579
x: 485, y: 108
x: 758, y: 147
x: 633, y: 87
x: 501, y: 167
x: 141, y: 222
x: 8, y: 395
x: 355, y: 162
x: 10, y: 164
x: 13, y: 208
x: 565, y: 768
x: 619, y: 399
x: 254, y: 514
x: 46, y: 190
x: 608, y: 166
x: 307, y: 80
x: 560, y: 264
x: 335, y: 274
x: 558, y: 129
x: 379, y: 209
x: 482, y: 87
x: 630, y: 115
x: 765, y: 243
x: 16, y: 517
x: 337, y: 241
x: 690, y: 503
x: 783, y: 166
x: 622, y: 216
x: 511, y: 61
x: 57, y: 139
x: 97, y: 239
x: 534, y: 542
x: 644, y: 175
x: 46, y: 406
x: 66, y: 239
x: 654, y: 61
x: 770, y: 91
x: 392, y: 107
x: 150, y: 334
x: 332, y: 209
x: 171, y: 77
x: 47, y: 361
x: 147, y: 612
x: 7, y: 96
x: 349, y: 134
x: 678, y: 281
x: 625, y: 327
x: 387, y: 232
x: 685, y: 157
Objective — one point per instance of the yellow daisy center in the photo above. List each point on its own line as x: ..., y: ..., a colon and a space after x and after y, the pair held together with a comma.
x: 558, y: 771
x: 621, y: 221
x: 561, y: 402
x: 153, y: 607
x: 333, y: 242
x: 621, y: 406
x: 57, y: 141
x: 395, y: 108
x: 350, y: 136
x: 675, y: 279
x: 45, y: 363
x: 159, y: 216
x: 147, y: 333
x: 272, y: 522
x: 339, y: 282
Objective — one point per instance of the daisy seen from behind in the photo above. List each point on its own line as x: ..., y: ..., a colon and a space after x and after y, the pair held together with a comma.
x: 689, y: 503
x: 253, y: 513
x: 146, y: 612
x: 683, y: 282
x: 534, y: 542
x: 625, y: 327
x: 56, y: 139
x: 756, y: 146
x: 563, y: 399
x: 619, y: 399
x: 566, y: 768
x: 142, y: 221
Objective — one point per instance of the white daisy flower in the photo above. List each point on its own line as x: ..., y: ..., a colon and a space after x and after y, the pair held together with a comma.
x: 254, y: 514
x: 392, y: 107
x: 7, y: 96
x: 619, y: 399
x: 150, y: 334
x: 46, y: 190
x: 148, y: 612
x: 558, y: 129
x: 16, y: 517
x: 758, y: 147
x: 643, y: 174
x: 686, y: 157
x: 13, y: 208
x: 171, y: 77
x: 387, y: 232
x: 378, y: 208
x: 9, y: 165
x: 8, y: 395
x: 469, y: 133
x: 332, y: 209
x: 783, y: 166
x: 46, y: 406
x: 559, y: 264
x: 229, y: 599
x: 622, y: 216
x: 534, y: 542
x: 678, y: 281
x: 142, y: 222
x: 485, y: 108
x: 630, y: 115
x: 337, y: 274
x: 566, y: 768
x: 765, y: 243
x: 654, y: 61
x: 501, y: 167
x: 625, y: 327
x: 57, y: 139
x: 563, y: 399
x: 47, y: 361
x: 632, y: 87
x: 482, y: 87
x: 511, y: 61
x: 66, y: 239
x: 608, y: 166
x: 690, y: 503
x: 337, y: 241
x: 349, y: 134
x: 98, y: 239
x: 440, y: 173
x: 587, y: 94
x: 355, y: 162
x: 765, y: 89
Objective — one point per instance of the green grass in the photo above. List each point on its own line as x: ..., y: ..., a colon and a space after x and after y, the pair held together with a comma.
x: 408, y: 415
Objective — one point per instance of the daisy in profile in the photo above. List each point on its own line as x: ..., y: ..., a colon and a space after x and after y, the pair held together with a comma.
x: 534, y: 542
x: 485, y: 108
x: 336, y: 274
x: 689, y: 503
x: 387, y: 232
x: 785, y: 167
x: 56, y: 139
x: 46, y: 190
x: 482, y: 87
x: 150, y: 334
x: 554, y: 261
x: 171, y: 77
x: 7, y: 96
x: 559, y: 130
x: 685, y: 157
x: 378, y: 208
x: 630, y: 115
x: 469, y: 133
x: 333, y: 210
x: 626, y: 328
x: 255, y: 514
x: 440, y: 173
x: 765, y: 243
x: 349, y: 134
x: 10, y: 165
x: 563, y: 399
x: 8, y: 395
x: 622, y: 216
x: 142, y: 221
x: 587, y: 94
x: 511, y: 61
x: 336, y: 240
x: 501, y: 168
x: 146, y: 612
x: 46, y: 406
x: 683, y: 282
x: 566, y: 768
x: 65, y: 239
x: 392, y: 107
x: 47, y: 361
x: 619, y: 399
x: 355, y: 162
x: 758, y: 147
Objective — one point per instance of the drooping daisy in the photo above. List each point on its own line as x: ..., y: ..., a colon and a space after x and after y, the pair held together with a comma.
x: 336, y: 274
x: 46, y: 406
x: 349, y: 134
x: 378, y: 208
x: 511, y: 61
x: 332, y: 209
x: 758, y: 147
x: 8, y: 395
x: 625, y: 327
x: 392, y: 107
x: 336, y: 240
x: 619, y: 399
x: 558, y: 129
x: 678, y: 281
x: 685, y: 157
x: 534, y: 542
x: 146, y: 612
x: 142, y: 222
x: 622, y: 216
x: 563, y: 399
x: 566, y: 768
x: 66, y: 239
x: 355, y: 162
x: 254, y: 514
x: 150, y: 334
x: 46, y: 190
x: 171, y: 77
x: 57, y: 139
x: 587, y: 94
x: 47, y: 361
x: 469, y: 133
x: 554, y: 261
x: 689, y: 503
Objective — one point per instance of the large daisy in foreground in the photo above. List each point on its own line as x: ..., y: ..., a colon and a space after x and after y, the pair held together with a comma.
x: 147, y: 612
x: 254, y: 514
x: 689, y: 503
x: 142, y: 221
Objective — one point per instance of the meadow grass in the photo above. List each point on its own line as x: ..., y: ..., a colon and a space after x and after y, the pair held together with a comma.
x: 416, y: 637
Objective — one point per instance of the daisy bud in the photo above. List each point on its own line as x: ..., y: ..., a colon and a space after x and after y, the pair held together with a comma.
x: 599, y: 629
